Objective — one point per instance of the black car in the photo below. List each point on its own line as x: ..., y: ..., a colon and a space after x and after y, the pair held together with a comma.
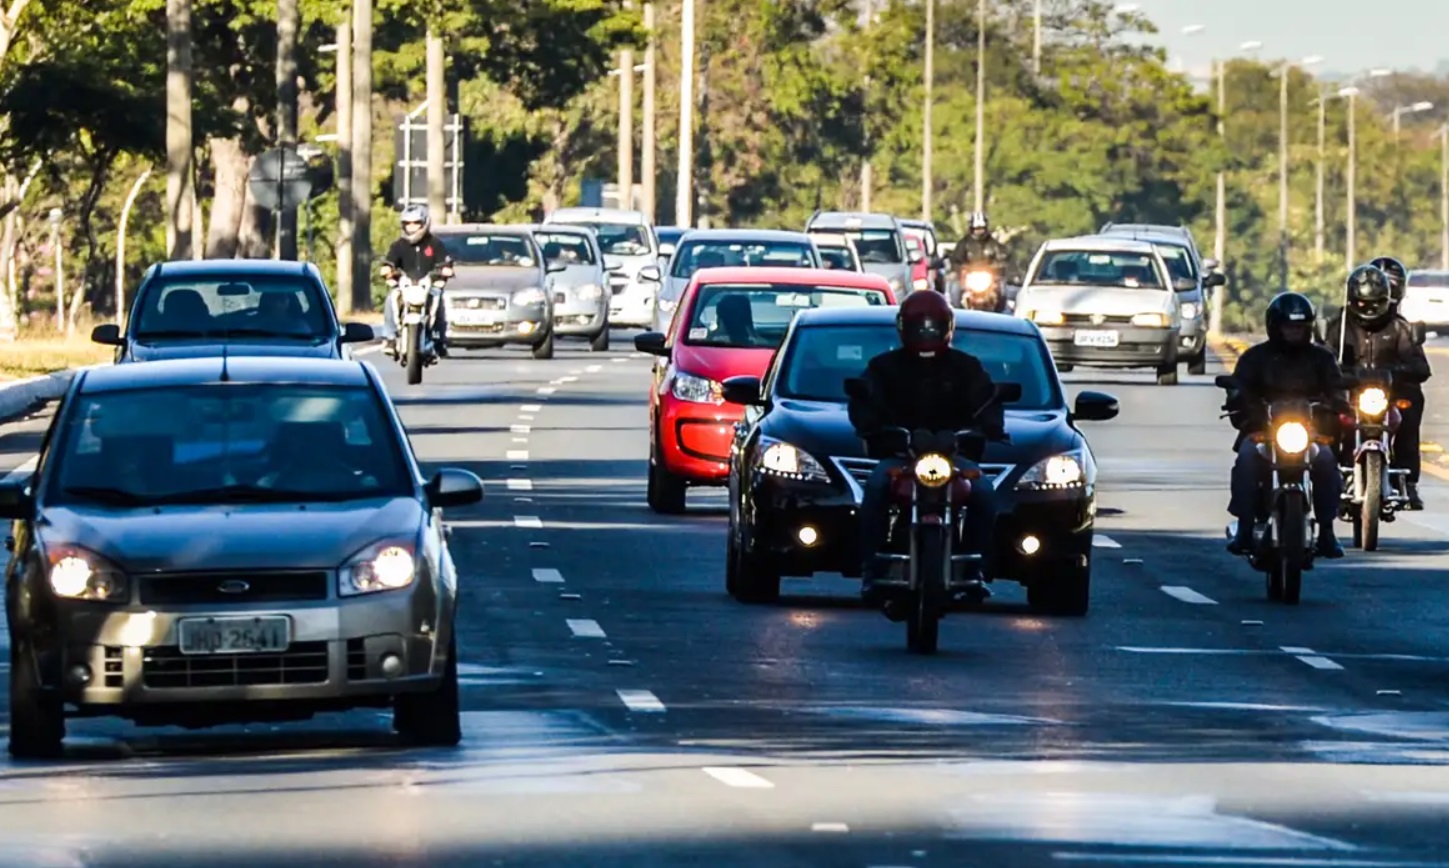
x: 227, y: 540
x: 252, y: 307
x: 797, y: 466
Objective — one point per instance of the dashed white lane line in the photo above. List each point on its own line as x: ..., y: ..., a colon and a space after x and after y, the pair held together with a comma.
x: 530, y: 408
x: 594, y: 369
x: 829, y: 827
x: 528, y: 521
x: 521, y: 429
x: 548, y: 575
x: 620, y: 361
x: 640, y: 700
x: 21, y: 472
x: 520, y: 439
x: 1102, y: 541
x: 568, y: 379
x: 1317, y: 661
x: 1188, y: 595
x: 585, y: 628
x: 547, y: 390
x: 517, y: 455
x: 525, y: 417
x: 736, y: 777
x: 520, y: 485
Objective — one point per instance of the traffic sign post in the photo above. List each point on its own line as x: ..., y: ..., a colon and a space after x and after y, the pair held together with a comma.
x: 285, y: 179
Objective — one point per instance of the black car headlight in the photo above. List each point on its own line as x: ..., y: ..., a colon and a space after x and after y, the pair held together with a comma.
x: 387, y: 565
x: 80, y: 574
x: 1066, y: 470
x: 778, y: 458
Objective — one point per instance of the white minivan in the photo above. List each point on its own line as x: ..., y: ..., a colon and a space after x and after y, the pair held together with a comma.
x: 1106, y: 302
x: 631, y: 255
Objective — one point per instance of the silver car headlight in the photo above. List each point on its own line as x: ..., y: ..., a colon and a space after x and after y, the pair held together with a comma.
x: 80, y: 574
x: 529, y: 297
x: 696, y: 390
x: 667, y: 305
x: 1190, y: 311
x: 383, y: 566
x: 590, y: 292
x: 784, y: 459
x: 1067, y: 470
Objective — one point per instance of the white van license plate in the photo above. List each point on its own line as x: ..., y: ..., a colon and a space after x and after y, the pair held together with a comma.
x: 1095, y: 338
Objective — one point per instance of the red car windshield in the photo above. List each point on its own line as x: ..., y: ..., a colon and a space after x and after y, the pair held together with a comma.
x: 756, y: 316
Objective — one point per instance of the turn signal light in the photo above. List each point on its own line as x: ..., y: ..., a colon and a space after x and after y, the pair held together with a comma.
x: 1403, y: 403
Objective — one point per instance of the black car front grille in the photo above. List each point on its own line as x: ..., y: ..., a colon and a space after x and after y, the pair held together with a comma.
x: 234, y: 587
x: 356, y: 659
x: 115, y: 675
x: 858, y: 470
x: 303, y: 663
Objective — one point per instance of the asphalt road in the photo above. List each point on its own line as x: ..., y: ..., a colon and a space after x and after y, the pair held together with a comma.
x: 621, y: 710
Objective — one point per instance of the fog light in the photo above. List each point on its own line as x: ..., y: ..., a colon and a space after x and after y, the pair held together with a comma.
x: 808, y: 535
x: 80, y: 674
x: 392, y: 665
x: 526, y: 328
x: 1029, y: 545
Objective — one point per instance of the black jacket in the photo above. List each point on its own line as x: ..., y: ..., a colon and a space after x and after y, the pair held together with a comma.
x: 1391, y: 347
x: 971, y: 250
x: 419, y: 260
x: 939, y: 394
x: 1269, y: 372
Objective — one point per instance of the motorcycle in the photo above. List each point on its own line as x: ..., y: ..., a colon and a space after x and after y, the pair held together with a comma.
x: 417, y: 303
x: 1371, y: 491
x: 981, y: 290
x: 1284, y: 530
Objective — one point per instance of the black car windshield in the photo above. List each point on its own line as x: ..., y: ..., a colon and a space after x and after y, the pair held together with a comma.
x: 821, y: 358
x: 566, y: 248
x: 227, y: 443
x: 507, y: 251
x: 874, y: 246
x: 757, y: 315
x: 1126, y: 269
x: 281, y: 306
x: 695, y: 255
x: 837, y: 258
x: 621, y: 239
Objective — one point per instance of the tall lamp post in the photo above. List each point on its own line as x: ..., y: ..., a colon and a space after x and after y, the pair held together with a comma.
x: 1350, y: 245
x: 1444, y: 197
x: 1284, y: 71
x: 928, y: 133
x: 1220, y: 233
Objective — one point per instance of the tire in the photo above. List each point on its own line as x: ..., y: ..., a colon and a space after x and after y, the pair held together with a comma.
x: 544, y: 350
x: 923, y: 623
x: 1373, y: 500
x: 1066, y: 369
x: 432, y: 719
x: 666, y: 491
x: 1198, y: 363
x: 413, y: 340
x: 1068, y: 592
x: 37, y: 718
x: 732, y: 566
x: 1291, y: 546
x: 600, y: 342
x: 757, y: 578
x: 1167, y: 376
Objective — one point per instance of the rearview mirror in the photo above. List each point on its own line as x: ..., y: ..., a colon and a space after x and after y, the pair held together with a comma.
x: 454, y: 487
x: 651, y: 343
x: 357, y: 332
x: 1225, y: 381
x: 741, y: 390
x: 555, y: 267
x: 651, y: 273
x: 1008, y: 393
x: 1184, y: 284
x: 107, y: 333
x: 15, y: 502
x: 1215, y: 279
x: 1095, y: 407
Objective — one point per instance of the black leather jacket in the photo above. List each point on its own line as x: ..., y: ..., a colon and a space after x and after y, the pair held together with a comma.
x: 419, y: 260
x: 1392, y: 347
x: 1271, y: 371
x: 971, y: 250
x: 944, y: 393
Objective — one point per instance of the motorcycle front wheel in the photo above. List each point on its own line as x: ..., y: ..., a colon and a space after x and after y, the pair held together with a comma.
x: 413, y: 340
x: 1373, y: 501
x: 1292, y: 544
x: 927, y: 601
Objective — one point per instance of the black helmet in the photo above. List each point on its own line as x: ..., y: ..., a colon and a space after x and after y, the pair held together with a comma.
x: 1291, y: 308
x: 1398, y: 275
x: 1370, y: 295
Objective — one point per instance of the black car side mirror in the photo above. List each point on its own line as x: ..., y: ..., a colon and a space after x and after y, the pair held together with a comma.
x: 357, y: 332
x: 454, y: 487
x: 1095, y: 407
x: 108, y: 334
x: 651, y: 343
x: 741, y: 390
x: 1215, y: 279
x: 15, y: 501
x: 1008, y: 393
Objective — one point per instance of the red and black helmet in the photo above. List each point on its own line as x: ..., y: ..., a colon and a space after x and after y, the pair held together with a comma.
x: 926, y: 323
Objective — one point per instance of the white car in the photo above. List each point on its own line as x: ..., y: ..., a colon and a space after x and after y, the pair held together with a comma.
x: 1426, y: 300
x: 699, y: 249
x: 631, y: 254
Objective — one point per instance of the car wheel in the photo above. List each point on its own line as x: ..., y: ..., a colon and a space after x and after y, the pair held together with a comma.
x: 37, y: 717
x: 1066, y: 369
x: 757, y: 577
x: 1066, y: 591
x: 1198, y: 363
x: 1167, y: 376
x: 431, y: 719
x: 600, y: 343
x: 545, y: 349
x: 666, y: 491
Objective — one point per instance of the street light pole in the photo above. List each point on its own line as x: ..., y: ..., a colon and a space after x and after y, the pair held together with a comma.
x: 1444, y: 197
x: 1351, y: 229
x: 626, y: 126
x: 980, y: 186
x: 1036, y: 39
x: 684, y: 194
x: 1318, y: 181
x: 928, y: 133
x: 1220, y: 236
x: 647, y: 171
x: 1283, y: 176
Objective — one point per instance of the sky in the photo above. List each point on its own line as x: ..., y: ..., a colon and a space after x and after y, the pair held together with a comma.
x: 1350, y: 35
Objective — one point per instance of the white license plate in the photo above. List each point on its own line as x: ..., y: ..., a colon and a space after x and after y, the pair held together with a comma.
x: 412, y: 318
x: 235, y: 635
x: 472, y: 317
x: 1095, y: 339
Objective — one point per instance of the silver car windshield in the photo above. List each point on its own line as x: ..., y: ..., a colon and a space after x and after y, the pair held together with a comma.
x: 875, y: 246
x: 270, y: 306
x: 1123, y: 269
x: 227, y: 443
x: 565, y: 248
x: 621, y: 239
x: 508, y: 251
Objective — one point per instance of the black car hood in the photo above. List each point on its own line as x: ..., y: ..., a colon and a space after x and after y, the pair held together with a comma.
x: 179, y: 538
x: 823, y: 429
x: 199, y: 348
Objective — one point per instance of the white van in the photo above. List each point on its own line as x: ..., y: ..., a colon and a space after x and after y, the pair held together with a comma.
x: 631, y: 254
x: 1105, y: 302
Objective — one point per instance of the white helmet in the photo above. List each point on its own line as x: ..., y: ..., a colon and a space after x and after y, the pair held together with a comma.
x: 415, y: 214
x: 979, y: 221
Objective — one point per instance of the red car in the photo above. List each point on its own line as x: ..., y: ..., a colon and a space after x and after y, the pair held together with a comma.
x: 728, y: 324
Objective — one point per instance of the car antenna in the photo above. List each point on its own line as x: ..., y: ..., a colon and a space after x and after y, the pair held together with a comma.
x: 225, y: 375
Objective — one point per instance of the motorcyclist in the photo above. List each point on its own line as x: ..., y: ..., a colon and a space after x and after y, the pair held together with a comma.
x: 416, y: 254
x: 1369, y: 334
x: 924, y: 383
x: 978, y: 250
x: 1288, y: 365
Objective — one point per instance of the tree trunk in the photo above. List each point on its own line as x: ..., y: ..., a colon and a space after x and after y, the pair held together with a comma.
x: 228, y: 204
x: 256, y: 231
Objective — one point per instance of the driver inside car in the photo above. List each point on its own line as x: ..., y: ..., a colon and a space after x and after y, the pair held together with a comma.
x: 925, y: 383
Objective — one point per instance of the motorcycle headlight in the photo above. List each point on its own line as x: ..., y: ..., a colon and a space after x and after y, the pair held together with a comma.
x: 933, y: 471
x: 919, y: 284
x: 415, y: 294
x: 1373, y: 401
x: 590, y: 292
x: 1151, y: 320
x: 696, y: 390
x: 81, y: 574
x: 978, y: 281
x: 1066, y: 470
x: 529, y: 297
x: 1048, y: 317
x: 783, y: 459
x: 1292, y: 437
x: 897, y: 285
x: 382, y: 566
x: 1189, y: 311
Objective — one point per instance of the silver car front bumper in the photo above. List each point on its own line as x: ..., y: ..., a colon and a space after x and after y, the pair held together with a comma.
x: 574, y: 316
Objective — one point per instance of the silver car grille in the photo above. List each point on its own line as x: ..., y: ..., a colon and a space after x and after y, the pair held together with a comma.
x: 302, y: 663
x: 855, y: 471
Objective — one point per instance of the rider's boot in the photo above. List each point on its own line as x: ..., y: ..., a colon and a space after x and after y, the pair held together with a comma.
x: 1328, y: 546
x: 389, y: 347
x: 1416, y: 503
x: 1242, y: 541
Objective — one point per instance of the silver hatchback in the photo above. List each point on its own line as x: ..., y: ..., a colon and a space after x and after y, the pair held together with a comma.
x: 581, y: 285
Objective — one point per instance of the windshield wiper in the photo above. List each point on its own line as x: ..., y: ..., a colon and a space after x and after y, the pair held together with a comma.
x: 259, y: 494
x: 171, y: 333
x: 259, y: 333
x: 108, y: 495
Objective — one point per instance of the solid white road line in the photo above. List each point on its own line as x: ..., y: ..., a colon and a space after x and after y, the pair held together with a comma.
x: 547, y: 390
x: 529, y: 521
x: 547, y: 575
x: 521, y: 429
x: 530, y: 408
x: 1102, y: 541
x: 594, y: 369
x: 517, y: 455
x: 1188, y: 595
x: 24, y: 470
x: 734, y: 777
x: 520, y: 485
x: 640, y: 700
x: 525, y: 417
x: 829, y: 827
x: 584, y: 628
x: 367, y: 350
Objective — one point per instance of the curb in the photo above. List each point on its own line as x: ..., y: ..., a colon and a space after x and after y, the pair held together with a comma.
x: 23, y: 397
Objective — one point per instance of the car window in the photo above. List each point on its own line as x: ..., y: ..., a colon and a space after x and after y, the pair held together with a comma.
x: 757, y: 315
x: 621, y: 239
x: 820, y: 359
x: 1127, y: 269
x: 497, y: 249
x: 695, y: 255
x: 837, y: 258
x: 1179, y: 261
x: 874, y: 246
x: 278, y: 305
x: 1435, y: 279
x: 187, y: 444
x: 565, y: 247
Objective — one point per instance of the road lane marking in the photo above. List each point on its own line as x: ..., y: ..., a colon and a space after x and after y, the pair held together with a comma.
x: 1318, y: 662
x: 547, y: 390
x: 736, y: 777
x: 528, y: 521
x: 520, y: 439
x: 521, y: 429
x: 594, y: 369
x: 1139, y: 649
x: 1188, y: 595
x: 568, y: 379
x: 517, y: 455
x: 584, y: 628
x: 1286, y: 861
x: 530, y: 408
x: 640, y: 700
x: 1102, y: 541
x: 520, y: 485
x: 620, y: 361
x: 1294, y: 649
x: 829, y: 827
x: 24, y: 470
x: 525, y: 417
x: 547, y: 575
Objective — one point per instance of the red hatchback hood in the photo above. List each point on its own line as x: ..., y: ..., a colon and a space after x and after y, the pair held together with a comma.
x: 719, y: 363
